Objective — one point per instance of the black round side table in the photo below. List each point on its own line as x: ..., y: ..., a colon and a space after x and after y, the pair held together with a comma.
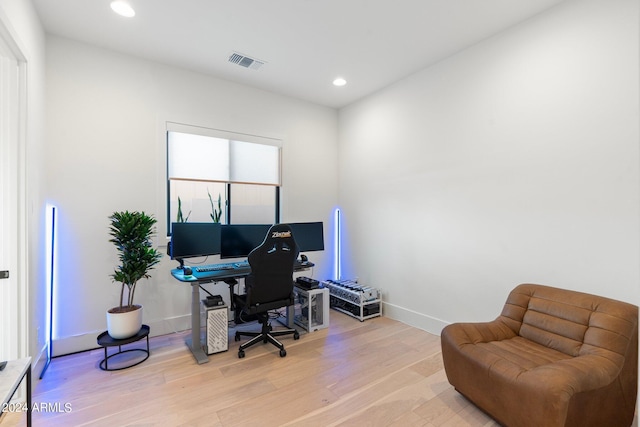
x: 105, y: 340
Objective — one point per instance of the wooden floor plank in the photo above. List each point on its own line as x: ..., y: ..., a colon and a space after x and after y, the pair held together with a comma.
x: 379, y: 372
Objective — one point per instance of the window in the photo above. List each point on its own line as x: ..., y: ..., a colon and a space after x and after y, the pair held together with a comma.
x: 222, y: 177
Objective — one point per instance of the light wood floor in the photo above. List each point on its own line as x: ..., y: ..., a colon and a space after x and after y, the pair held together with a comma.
x: 374, y: 373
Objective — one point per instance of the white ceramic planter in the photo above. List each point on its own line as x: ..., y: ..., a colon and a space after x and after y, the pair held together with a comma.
x: 124, y: 325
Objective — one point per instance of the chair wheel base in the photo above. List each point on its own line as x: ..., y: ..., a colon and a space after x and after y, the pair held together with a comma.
x: 266, y: 335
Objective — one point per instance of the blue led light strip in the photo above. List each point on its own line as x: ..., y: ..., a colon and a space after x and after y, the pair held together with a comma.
x: 337, y: 262
x: 51, y: 257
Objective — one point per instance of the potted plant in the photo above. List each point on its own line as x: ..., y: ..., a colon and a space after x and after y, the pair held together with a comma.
x: 131, y: 233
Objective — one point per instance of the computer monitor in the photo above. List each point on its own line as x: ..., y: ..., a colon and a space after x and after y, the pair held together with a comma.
x: 238, y: 240
x: 194, y: 239
x: 309, y: 236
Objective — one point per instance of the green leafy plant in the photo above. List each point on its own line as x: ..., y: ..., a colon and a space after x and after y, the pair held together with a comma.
x: 181, y: 218
x: 216, y: 213
x: 131, y: 233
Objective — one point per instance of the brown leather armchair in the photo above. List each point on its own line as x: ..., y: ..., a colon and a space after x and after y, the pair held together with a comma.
x: 554, y: 357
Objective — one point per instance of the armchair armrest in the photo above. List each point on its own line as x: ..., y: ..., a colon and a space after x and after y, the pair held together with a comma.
x: 473, y: 333
x: 572, y: 376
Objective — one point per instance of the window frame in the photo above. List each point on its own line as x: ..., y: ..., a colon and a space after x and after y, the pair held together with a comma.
x: 222, y: 134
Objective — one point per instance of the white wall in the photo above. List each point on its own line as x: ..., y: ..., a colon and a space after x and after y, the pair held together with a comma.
x: 19, y: 17
x: 513, y: 161
x: 105, y: 153
x: 516, y: 160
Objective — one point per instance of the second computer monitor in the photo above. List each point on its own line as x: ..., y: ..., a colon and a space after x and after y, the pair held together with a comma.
x: 237, y: 240
x: 309, y: 236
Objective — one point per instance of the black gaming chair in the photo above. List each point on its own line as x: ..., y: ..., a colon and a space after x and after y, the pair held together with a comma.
x: 269, y: 286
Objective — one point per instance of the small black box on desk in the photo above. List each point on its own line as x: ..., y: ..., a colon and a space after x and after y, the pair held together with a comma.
x: 307, y: 283
x: 213, y: 301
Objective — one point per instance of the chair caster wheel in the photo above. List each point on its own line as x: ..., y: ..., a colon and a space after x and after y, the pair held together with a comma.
x: 296, y: 335
x: 240, y: 354
x: 237, y: 337
x: 283, y: 352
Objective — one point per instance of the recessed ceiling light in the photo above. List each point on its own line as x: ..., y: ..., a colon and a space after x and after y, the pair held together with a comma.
x: 123, y: 8
x: 339, y: 82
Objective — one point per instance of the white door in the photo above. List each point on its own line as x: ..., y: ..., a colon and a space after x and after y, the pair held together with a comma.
x: 13, y: 288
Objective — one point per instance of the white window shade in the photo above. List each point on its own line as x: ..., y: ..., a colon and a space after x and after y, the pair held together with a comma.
x: 254, y: 163
x: 197, y: 157
x: 206, y: 158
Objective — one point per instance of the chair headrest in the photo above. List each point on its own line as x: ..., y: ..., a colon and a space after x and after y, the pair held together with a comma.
x: 279, y: 238
x: 279, y: 232
x: 279, y: 235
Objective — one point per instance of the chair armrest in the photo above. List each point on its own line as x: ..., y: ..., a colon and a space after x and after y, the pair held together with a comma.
x: 572, y: 376
x: 473, y: 333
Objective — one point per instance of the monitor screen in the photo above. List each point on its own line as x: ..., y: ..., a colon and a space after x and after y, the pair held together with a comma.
x: 237, y: 240
x: 193, y: 239
x: 309, y: 236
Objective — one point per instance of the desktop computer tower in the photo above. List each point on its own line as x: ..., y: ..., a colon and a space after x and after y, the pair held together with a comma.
x: 311, y: 309
x: 216, y: 320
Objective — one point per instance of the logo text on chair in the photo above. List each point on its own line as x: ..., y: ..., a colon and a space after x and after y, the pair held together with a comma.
x: 280, y: 234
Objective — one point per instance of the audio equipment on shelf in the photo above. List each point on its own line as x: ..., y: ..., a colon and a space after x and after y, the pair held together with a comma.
x: 347, y: 296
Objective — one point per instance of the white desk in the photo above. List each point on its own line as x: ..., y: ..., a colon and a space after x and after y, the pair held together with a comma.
x: 10, y: 378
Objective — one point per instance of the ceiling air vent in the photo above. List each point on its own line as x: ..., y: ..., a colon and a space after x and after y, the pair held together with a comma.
x: 245, y: 61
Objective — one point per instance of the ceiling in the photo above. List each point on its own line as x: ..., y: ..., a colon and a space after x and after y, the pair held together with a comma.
x: 304, y: 44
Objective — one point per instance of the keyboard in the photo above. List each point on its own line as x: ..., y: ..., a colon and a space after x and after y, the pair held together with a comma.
x: 215, y: 267
x: 221, y: 267
x: 209, y: 268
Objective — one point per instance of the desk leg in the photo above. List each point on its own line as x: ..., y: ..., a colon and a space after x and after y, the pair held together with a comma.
x: 195, y: 344
x: 231, y: 304
x: 29, y: 403
x: 290, y: 316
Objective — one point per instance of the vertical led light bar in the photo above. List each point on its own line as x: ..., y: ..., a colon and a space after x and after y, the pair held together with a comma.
x: 51, y: 278
x: 337, y: 238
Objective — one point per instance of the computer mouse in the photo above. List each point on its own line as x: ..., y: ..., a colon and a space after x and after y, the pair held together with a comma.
x: 187, y: 271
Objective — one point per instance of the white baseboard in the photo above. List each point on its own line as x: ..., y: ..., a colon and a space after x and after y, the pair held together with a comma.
x: 413, y: 318
x: 88, y: 341
x: 38, y: 362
